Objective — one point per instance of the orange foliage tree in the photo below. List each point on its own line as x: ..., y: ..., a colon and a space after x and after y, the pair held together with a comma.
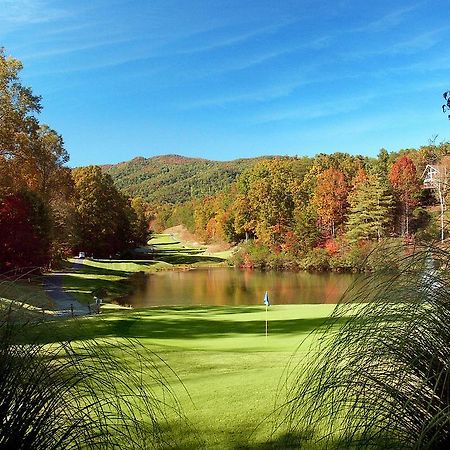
x: 406, y: 185
x: 330, y: 199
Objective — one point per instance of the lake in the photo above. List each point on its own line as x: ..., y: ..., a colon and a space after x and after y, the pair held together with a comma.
x: 227, y: 286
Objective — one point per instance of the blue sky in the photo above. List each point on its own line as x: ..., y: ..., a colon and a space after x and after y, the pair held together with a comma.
x: 224, y: 79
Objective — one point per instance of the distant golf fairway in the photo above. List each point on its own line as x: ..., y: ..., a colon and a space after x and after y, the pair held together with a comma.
x: 230, y: 371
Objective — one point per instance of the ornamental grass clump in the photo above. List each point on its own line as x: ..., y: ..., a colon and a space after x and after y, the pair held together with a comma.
x: 382, y: 378
x: 100, y: 394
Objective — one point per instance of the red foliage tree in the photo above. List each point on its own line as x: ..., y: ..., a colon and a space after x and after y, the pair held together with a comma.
x: 404, y: 180
x: 23, y: 234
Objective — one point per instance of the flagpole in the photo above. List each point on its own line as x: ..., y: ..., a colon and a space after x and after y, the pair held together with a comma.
x: 267, y: 303
x: 266, y: 323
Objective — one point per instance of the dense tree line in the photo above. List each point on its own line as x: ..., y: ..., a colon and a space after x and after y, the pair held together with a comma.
x: 48, y: 211
x: 324, y: 212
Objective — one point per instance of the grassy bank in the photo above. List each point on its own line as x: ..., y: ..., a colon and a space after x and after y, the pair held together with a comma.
x: 231, y: 372
x: 26, y: 296
x: 167, y: 248
x: 80, y: 277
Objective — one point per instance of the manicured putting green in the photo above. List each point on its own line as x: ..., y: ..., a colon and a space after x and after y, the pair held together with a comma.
x: 221, y: 354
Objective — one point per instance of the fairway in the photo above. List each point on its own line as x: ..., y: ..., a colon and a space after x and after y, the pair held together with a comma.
x: 229, y: 374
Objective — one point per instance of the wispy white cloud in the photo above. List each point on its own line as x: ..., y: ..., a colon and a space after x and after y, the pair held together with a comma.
x: 107, y: 62
x: 250, y: 61
x: 371, y: 123
x: 416, y: 44
x: 144, y: 51
x: 256, y: 96
x: 320, y: 109
x: 311, y: 75
x: 389, y: 20
x: 439, y: 64
x: 313, y: 111
x: 421, y: 42
x: 231, y: 40
x: 15, y: 13
x: 65, y: 50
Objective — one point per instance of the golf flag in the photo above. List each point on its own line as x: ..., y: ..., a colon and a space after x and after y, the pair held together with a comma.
x: 266, y: 299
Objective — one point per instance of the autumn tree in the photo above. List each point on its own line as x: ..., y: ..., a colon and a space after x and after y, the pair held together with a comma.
x: 204, y: 213
x: 269, y: 191
x: 18, y: 106
x: 406, y: 186
x: 32, y: 155
x: 140, y: 219
x: 305, y: 227
x: 343, y: 162
x: 46, y: 166
x: 330, y: 199
x: 24, y: 232
x: 223, y: 220
x: 244, y: 217
x: 104, y: 216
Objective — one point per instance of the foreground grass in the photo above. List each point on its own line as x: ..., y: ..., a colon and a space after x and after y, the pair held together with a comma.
x: 231, y: 372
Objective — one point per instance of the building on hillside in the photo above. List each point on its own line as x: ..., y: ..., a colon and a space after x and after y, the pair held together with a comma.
x: 432, y: 176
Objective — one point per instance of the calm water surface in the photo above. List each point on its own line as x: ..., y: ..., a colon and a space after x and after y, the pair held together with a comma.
x: 225, y: 286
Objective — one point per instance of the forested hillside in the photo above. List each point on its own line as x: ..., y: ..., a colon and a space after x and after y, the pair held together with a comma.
x: 325, y: 212
x: 173, y: 178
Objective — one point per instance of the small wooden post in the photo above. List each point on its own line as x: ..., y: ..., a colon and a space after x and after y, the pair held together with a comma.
x: 71, y: 309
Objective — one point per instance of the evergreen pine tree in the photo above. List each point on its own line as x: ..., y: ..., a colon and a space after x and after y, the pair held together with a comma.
x: 370, y: 207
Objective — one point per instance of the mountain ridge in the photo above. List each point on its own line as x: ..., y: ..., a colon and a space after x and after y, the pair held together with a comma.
x: 173, y: 178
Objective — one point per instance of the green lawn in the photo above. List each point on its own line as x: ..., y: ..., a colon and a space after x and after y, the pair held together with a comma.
x: 158, y: 239
x: 230, y: 374
x: 165, y: 247
x: 222, y: 357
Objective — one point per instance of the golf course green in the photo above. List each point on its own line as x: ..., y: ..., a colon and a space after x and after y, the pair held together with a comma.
x: 228, y: 374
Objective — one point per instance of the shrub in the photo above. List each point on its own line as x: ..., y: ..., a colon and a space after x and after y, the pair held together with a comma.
x: 79, y: 395
x: 379, y: 375
x: 317, y: 259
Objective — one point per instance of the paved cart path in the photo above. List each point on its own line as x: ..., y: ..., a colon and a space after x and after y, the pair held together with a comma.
x: 53, y: 286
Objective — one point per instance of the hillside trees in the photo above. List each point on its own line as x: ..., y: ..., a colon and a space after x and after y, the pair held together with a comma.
x: 32, y: 165
x: 406, y: 186
x: 370, y: 207
x: 24, y: 232
x: 18, y: 106
x: 104, y: 217
x: 316, y: 212
x: 330, y: 199
x: 140, y: 219
x: 244, y: 218
x: 267, y: 199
